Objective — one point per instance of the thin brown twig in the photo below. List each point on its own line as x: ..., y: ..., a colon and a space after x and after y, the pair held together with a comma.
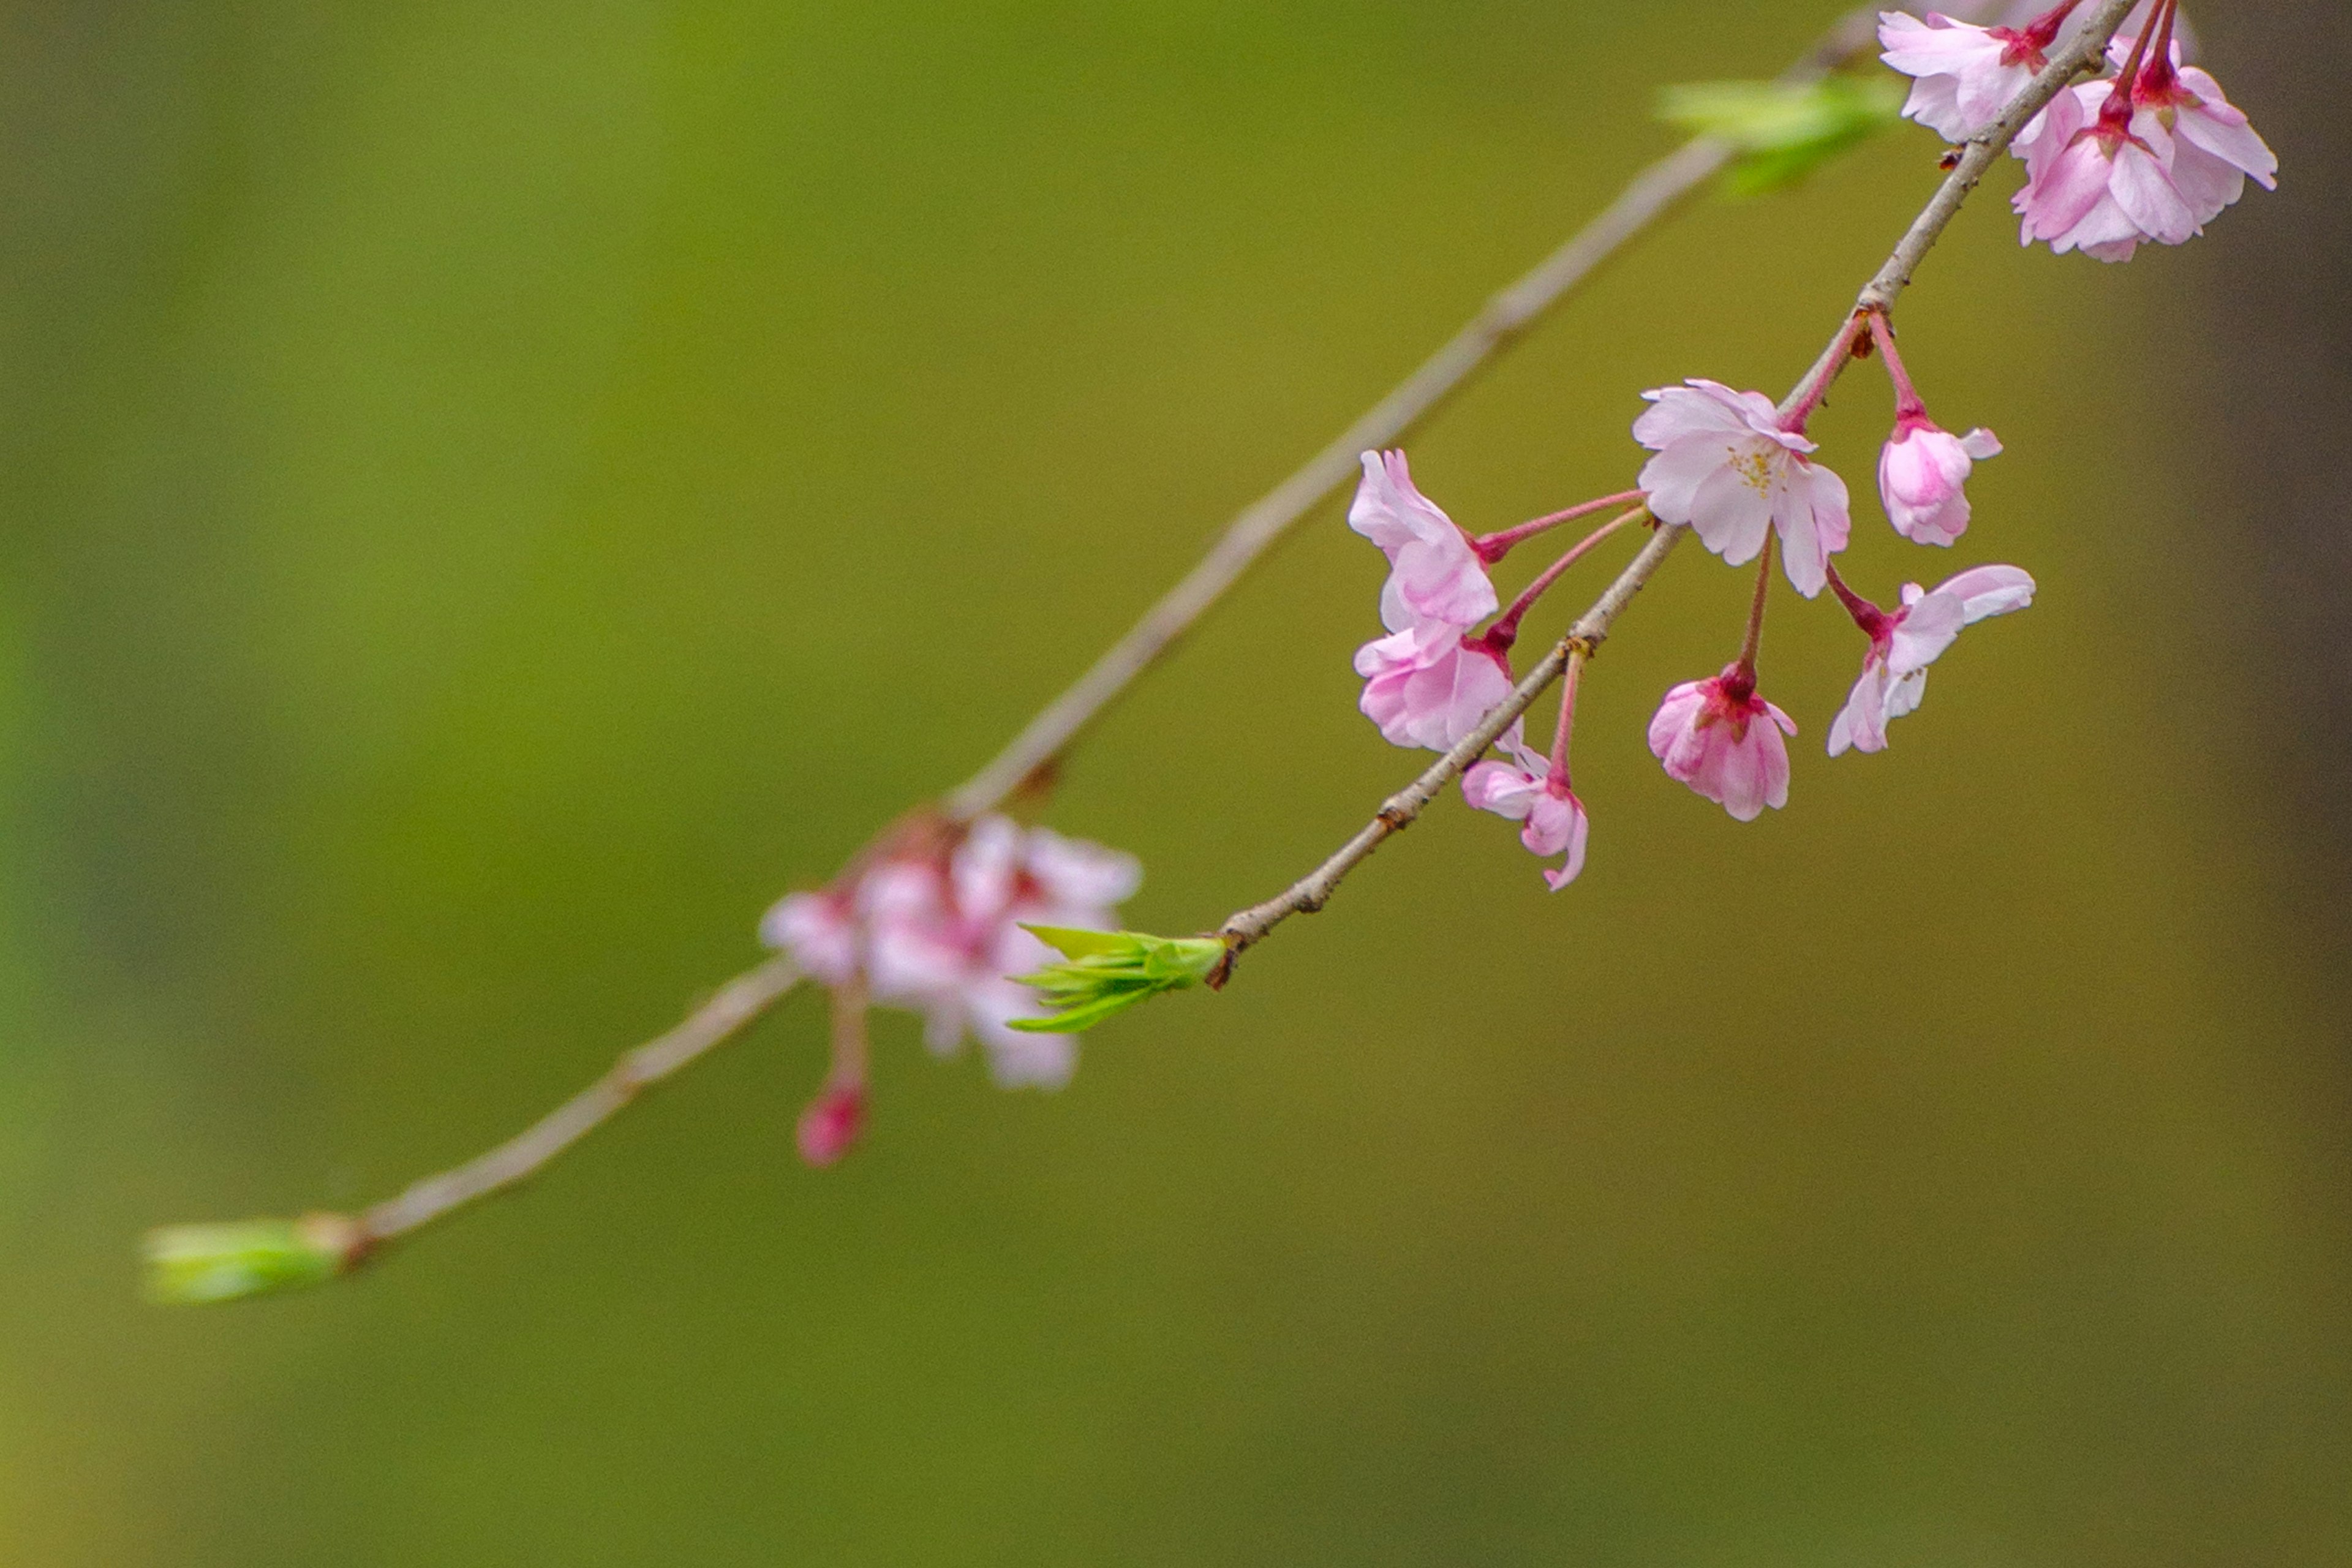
x: 737, y: 1003
x: 1251, y: 926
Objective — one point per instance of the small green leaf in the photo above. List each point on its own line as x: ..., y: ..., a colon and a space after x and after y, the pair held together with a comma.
x: 1110, y: 972
x: 1782, y: 132
x: 192, y: 1265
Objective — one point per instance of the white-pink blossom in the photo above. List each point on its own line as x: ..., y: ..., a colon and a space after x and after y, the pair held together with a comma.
x: 2099, y: 177
x: 1524, y: 789
x: 2214, y: 148
x: 1923, y: 472
x: 1433, y: 573
x: 1429, y: 684
x: 934, y: 926
x: 1727, y: 467
x: 1904, y: 643
x: 1965, y: 75
x: 1725, y: 742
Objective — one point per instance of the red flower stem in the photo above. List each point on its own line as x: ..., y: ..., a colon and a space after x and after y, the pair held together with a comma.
x: 1493, y: 547
x: 1866, y: 615
x: 2043, y: 29
x: 2158, y: 74
x: 1816, y: 386
x: 1505, y: 630
x: 850, y: 1045
x: 1755, y: 638
x: 2118, y: 105
x: 1567, y: 726
x: 1908, y: 404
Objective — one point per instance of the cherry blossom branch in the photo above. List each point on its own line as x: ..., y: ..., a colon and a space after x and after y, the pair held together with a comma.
x: 1249, y: 927
x: 1507, y: 317
x: 1311, y: 892
x: 322, y: 1245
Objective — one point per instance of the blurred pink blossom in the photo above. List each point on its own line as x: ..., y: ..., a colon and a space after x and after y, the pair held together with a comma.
x: 934, y: 927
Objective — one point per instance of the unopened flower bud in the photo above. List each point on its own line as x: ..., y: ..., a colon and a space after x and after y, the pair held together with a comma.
x: 832, y: 1123
x: 189, y: 1265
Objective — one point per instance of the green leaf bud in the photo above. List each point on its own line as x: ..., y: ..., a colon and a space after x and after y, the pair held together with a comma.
x: 1108, y: 972
x: 192, y: 1265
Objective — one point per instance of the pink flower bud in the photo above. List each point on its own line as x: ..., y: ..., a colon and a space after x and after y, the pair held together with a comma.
x: 1922, y: 474
x: 832, y: 1123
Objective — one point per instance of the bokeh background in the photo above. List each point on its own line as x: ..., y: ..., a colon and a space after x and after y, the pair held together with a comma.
x: 497, y: 492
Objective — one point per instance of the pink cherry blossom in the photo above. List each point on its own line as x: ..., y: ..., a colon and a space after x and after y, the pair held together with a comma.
x: 832, y: 1124
x: 1726, y: 466
x: 2213, y: 146
x: 1526, y: 789
x: 2099, y: 177
x: 1966, y: 75
x: 1725, y: 742
x: 1429, y: 685
x: 1433, y: 573
x: 1904, y: 644
x: 934, y: 927
x: 821, y: 930
x: 1922, y: 472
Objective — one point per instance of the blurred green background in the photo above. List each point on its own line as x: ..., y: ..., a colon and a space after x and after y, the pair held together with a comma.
x: 497, y: 492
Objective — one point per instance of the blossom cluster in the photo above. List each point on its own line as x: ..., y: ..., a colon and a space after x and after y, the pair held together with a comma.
x: 2151, y: 151
x: 942, y: 916
x: 934, y: 922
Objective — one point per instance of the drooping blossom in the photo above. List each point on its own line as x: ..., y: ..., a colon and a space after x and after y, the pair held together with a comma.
x: 2098, y: 178
x: 2155, y: 154
x: 1903, y: 644
x: 1429, y: 685
x: 1725, y: 742
x: 1433, y: 573
x: 1527, y: 789
x: 934, y: 926
x: 1923, y: 471
x: 1726, y: 466
x: 2214, y: 148
x: 1428, y: 682
x: 1965, y: 75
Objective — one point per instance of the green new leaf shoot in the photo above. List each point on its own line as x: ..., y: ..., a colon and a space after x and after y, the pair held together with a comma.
x: 193, y: 1265
x: 1781, y: 132
x: 1108, y: 972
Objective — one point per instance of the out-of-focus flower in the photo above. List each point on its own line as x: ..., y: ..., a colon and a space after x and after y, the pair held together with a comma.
x: 935, y: 926
x: 1524, y: 789
x: 1904, y: 643
x: 832, y: 1124
x: 1429, y: 685
x: 1923, y: 471
x: 1726, y: 466
x: 1725, y: 742
x: 1433, y: 573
